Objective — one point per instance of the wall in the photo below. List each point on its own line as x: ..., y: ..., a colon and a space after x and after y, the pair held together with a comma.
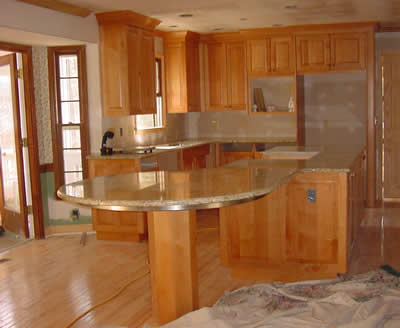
x: 335, y: 109
x: 239, y: 124
x: 21, y: 16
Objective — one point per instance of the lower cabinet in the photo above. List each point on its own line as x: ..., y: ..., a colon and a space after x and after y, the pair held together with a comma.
x: 300, y: 231
x: 195, y: 158
x: 113, y: 225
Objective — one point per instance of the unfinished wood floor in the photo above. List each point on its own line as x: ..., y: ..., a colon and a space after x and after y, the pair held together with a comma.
x: 48, y: 283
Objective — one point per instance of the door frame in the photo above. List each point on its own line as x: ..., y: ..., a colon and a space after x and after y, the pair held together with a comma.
x: 33, y: 147
x: 380, y: 110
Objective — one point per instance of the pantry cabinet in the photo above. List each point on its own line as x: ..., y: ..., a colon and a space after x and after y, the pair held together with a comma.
x: 127, y: 63
x: 227, y: 76
x: 182, y: 70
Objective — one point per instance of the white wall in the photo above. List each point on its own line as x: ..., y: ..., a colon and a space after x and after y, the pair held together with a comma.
x: 21, y: 16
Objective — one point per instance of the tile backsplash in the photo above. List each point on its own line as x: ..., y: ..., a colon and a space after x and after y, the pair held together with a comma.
x: 202, y: 125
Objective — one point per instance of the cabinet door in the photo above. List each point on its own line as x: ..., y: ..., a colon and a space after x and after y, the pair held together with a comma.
x: 312, y: 226
x: 258, y: 57
x: 114, y: 67
x: 236, y: 75
x: 282, y: 55
x: 193, y: 77
x: 217, y: 93
x: 147, y: 82
x: 175, y: 78
x: 348, y: 51
x: 313, y: 53
x: 133, y: 72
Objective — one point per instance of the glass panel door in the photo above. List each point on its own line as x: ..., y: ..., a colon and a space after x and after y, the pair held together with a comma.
x: 12, y: 187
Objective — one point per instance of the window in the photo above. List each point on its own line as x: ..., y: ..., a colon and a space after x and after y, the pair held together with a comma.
x: 68, y: 101
x: 154, y: 121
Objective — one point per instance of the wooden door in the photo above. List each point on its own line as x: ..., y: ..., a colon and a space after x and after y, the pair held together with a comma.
x: 12, y: 187
x: 175, y: 64
x: 147, y: 80
x: 282, y: 55
x: 312, y: 226
x: 114, y: 67
x: 391, y: 130
x: 258, y: 57
x: 193, y: 77
x: 312, y: 53
x: 236, y: 75
x: 348, y: 51
x: 217, y: 92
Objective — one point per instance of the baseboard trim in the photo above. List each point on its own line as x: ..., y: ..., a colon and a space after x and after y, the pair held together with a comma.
x: 51, y: 230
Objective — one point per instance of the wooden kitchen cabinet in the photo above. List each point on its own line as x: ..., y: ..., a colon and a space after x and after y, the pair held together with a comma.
x: 312, y: 53
x: 330, y: 52
x: 270, y: 56
x: 227, y: 87
x: 127, y: 63
x: 113, y: 225
x: 182, y: 72
x: 195, y: 158
x: 348, y: 51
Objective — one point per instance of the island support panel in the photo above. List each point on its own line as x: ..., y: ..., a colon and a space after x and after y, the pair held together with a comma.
x: 298, y: 232
x: 173, y: 264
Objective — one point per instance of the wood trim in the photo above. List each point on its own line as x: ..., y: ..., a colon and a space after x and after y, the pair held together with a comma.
x: 371, y: 128
x: 388, y: 28
x: 127, y: 17
x: 312, y: 28
x: 33, y: 147
x: 58, y: 165
x: 51, y: 230
x: 46, y: 168
x: 60, y: 6
x: 160, y: 34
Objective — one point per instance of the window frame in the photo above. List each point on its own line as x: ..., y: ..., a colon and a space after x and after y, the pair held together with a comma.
x: 164, y: 107
x: 53, y: 53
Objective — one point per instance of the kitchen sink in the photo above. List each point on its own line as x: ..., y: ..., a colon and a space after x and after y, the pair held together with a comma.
x: 168, y: 146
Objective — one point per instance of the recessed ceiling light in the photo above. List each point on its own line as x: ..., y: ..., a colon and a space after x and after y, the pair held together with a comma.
x: 244, y: 19
x: 291, y: 7
x: 173, y: 26
x: 276, y: 25
x: 186, y: 15
x: 218, y: 29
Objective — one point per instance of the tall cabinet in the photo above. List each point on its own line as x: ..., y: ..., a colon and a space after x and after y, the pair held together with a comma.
x: 127, y: 63
x: 182, y: 72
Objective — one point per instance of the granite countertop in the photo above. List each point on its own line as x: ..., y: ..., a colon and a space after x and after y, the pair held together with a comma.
x: 238, y: 182
x: 326, y: 159
x: 193, y: 143
x: 176, y: 190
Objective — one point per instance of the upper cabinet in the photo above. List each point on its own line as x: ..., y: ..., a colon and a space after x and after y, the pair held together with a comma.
x: 270, y: 56
x: 127, y: 63
x: 182, y: 72
x: 227, y: 87
x: 330, y: 52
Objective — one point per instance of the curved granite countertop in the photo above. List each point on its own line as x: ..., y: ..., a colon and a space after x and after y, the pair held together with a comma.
x: 196, y: 142
x: 180, y: 190
x: 238, y: 182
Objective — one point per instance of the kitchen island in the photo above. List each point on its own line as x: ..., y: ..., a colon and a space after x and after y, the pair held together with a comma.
x: 273, y: 220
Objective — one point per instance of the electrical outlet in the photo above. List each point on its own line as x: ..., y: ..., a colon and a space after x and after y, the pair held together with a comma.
x: 75, y: 214
x: 311, y: 195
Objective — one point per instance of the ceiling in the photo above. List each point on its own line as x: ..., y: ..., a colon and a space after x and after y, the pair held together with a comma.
x: 231, y: 15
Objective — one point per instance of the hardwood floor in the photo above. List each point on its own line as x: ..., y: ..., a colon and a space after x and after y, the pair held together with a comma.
x: 48, y: 283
